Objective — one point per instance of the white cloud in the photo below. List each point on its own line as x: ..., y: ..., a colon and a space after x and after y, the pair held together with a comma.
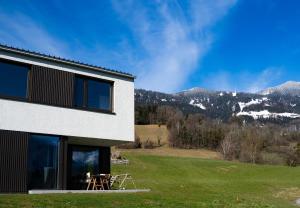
x: 172, y: 40
x: 244, y: 81
x: 265, y: 79
x: 165, y: 46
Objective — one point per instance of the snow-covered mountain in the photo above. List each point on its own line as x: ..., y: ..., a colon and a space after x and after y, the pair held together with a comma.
x: 287, y: 88
x: 279, y: 104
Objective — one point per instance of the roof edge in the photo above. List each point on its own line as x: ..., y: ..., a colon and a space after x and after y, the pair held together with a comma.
x: 65, y: 61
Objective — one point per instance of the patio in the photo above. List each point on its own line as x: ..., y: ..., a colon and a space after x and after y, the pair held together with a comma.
x: 86, y: 191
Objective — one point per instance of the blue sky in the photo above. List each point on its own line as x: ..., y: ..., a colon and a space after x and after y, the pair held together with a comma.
x: 242, y: 45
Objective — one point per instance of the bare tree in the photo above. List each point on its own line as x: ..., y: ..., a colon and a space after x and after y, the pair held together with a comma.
x: 251, y: 145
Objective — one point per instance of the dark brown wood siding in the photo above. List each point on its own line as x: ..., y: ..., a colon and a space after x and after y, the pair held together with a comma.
x: 13, y: 161
x: 63, y: 163
x: 51, y: 86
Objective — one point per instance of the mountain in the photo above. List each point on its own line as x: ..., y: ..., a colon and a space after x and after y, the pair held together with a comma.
x: 279, y: 104
x: 288, y: 88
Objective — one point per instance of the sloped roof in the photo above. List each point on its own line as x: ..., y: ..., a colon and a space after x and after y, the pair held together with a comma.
x: 64, y: 61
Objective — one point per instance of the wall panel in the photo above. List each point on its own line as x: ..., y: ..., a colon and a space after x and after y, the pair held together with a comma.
x: 50, y: 86
x: 63, y: 163
x: 13, y: 161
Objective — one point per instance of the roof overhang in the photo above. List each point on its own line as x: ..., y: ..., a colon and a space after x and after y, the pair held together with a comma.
x: 65, y: 61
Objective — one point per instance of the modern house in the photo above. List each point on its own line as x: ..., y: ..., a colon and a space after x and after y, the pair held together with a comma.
x: 58, y: 120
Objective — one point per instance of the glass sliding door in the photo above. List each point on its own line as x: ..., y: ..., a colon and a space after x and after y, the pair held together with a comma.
x: 84, y: 159
x: 43, y: 162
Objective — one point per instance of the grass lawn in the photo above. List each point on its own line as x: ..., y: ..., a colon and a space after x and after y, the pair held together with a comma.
x: 184, y: 182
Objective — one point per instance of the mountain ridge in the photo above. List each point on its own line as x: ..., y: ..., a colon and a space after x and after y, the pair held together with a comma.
x: 277, y: 106
x: 289, y: 87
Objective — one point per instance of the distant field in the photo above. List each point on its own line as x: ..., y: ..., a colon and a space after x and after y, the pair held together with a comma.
x: 152, y: 132
x: 184, y: 182
x: 167, y: 151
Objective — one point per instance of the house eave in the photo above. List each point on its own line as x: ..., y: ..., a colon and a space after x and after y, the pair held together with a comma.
x: 65, y: 61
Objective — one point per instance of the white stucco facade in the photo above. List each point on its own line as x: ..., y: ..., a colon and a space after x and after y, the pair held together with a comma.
x: 45, y: 119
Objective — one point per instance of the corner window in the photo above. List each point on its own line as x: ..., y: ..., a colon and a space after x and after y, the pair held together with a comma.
x: 93, y: 94
x: 13, y: 80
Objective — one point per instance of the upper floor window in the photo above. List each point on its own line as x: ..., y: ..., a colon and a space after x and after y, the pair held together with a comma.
x: 93, y: 94
x: 13, y: 80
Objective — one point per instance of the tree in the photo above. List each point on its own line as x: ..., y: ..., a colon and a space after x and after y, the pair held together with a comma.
x: 251, y: 145
x: 229, y: 146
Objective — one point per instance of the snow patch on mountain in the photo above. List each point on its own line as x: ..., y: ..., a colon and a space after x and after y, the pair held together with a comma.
x: 266, y: 114
x: 265, y: 99
x: 199, y: 105
x: 233, y: 108
x: 252, y: 102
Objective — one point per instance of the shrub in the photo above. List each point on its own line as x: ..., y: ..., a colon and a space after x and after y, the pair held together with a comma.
x: 131, y: 145
x: 292, y: 156
x: 272, y: 158
x: 158, y: 141
x: 148, y: 144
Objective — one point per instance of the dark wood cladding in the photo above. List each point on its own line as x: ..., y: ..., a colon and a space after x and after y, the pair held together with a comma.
x: 51, y: 86
x: 13, y: 161
x: 104, y: 160
x: 63, y: 163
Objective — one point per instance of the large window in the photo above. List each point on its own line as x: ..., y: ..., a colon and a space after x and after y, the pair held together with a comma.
x: 13, y: 80
x: 93, y: 94
x: 43, y: 162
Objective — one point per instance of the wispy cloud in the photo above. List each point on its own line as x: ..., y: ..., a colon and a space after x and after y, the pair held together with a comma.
x: 265, y: 79
x: 165, y: 44
x: 172, y: 41
x: 245, y: 81
x: 21, y: 31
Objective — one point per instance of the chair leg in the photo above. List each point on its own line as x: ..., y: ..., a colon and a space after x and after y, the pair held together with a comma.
x: 121, y: 184
x: 88, y: 185
x: 94, y: 184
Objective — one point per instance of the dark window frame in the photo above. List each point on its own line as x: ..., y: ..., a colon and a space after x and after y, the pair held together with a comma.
x: 85, y: 94
x: 28, y: 66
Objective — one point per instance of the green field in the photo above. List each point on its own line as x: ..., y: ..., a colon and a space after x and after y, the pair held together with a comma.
x: 184, y: 182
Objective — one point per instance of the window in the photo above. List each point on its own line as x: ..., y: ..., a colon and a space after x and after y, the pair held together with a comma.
x: 79, y: 92
x: 93, y: 94
x: 13, y: 80
x: 43, y: 162
x: 98, y: 95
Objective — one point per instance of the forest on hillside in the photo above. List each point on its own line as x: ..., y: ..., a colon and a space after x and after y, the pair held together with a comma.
x: 235, y: 139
